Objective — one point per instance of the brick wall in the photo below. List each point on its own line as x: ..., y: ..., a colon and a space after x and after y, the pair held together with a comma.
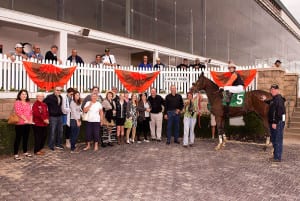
x: 287, y: 83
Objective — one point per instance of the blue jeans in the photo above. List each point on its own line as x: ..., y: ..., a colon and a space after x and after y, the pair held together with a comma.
x: 74, y: 133
x: 277, y: 139
x: 56, y: 132
x: 173, y: 120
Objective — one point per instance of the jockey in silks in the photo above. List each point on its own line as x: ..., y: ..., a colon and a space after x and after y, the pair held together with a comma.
x: 235, y: 84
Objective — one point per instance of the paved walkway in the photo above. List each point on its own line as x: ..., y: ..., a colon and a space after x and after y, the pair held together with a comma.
x: 154, y: 172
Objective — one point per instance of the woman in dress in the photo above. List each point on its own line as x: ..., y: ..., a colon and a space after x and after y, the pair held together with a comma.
x: 132, y: 115
x: 120, y: 117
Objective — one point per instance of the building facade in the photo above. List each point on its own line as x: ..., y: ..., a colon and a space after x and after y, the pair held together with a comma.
x: 242, y: 30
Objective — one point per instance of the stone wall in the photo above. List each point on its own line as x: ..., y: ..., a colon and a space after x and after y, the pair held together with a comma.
x: 6, y: 106
x: 287, y: 82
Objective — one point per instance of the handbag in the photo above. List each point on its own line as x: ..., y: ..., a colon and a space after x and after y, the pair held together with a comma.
x: 128, y: 123
x: 13, y: 118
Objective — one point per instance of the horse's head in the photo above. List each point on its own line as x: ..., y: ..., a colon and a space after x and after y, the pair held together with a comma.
x: 200, y: 83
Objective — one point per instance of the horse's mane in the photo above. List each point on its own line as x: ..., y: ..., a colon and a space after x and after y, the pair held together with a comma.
x: 213, y: 84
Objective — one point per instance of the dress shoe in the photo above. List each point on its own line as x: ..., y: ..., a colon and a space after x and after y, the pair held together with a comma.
x: 167, y: 143
x: 103, y: 145
x: 177, y: 142
x: 110, y: 144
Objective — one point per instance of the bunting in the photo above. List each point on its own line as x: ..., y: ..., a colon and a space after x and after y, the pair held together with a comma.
x: 135, y: 81
x: 48, y: 76
x: 221, y: 78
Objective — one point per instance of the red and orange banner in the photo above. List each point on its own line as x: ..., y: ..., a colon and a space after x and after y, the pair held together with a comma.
x: 221, y: 78
x: 48, y: 76
x: 135, y: 81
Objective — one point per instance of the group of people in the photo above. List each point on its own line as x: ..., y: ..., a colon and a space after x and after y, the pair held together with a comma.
x: 135, y: 117
x: 106, y: 59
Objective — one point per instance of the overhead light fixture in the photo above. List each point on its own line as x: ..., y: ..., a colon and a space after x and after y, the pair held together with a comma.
x: 84, y: 32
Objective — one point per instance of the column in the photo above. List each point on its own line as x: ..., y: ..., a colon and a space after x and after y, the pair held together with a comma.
x: 62, y: 43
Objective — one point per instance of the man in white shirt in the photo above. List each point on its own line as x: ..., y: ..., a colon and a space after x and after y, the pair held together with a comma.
x: 108, y: 59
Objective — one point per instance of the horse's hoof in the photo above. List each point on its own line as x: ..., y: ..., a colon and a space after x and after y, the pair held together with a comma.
x: 218, y: 147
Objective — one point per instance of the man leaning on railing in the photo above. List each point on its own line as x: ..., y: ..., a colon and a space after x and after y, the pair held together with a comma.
x: 17, y: 53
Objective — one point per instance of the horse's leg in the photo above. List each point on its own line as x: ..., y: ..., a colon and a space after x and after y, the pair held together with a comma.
x: 267, y: 132
x: 221, y: 133
x: 224, y: 134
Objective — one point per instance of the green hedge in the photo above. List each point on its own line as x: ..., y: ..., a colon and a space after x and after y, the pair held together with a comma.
x: 252, y: 131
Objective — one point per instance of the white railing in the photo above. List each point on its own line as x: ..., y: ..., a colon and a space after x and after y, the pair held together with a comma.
x: 14, y: 77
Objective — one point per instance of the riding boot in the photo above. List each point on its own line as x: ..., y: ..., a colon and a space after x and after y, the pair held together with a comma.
x: 228, y: 95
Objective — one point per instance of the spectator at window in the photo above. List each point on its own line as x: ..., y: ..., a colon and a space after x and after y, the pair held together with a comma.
x: 74, y: 58
x: 108, y: 59
x: 51, y: 54
x: 97, y: 61
x: 184, y: 65
x: 277, y: 64
x: 17, y: 53
x: 145, y: 65
x: 36, y: 53
x: 158, y: 64
x: 197, y: 65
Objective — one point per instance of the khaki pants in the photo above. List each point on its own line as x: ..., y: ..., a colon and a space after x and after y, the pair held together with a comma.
x: 156, y: 125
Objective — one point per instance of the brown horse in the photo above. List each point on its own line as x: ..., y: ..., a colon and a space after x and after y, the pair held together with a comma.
x: 252, y: 103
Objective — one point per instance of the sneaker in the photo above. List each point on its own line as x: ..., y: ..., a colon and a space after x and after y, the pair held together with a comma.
x: 27, y: 154
x: 59, y: 147
x: 17, y: 157
x: 145, y: 140
x: 139, y: 142
x: 74, y: 152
